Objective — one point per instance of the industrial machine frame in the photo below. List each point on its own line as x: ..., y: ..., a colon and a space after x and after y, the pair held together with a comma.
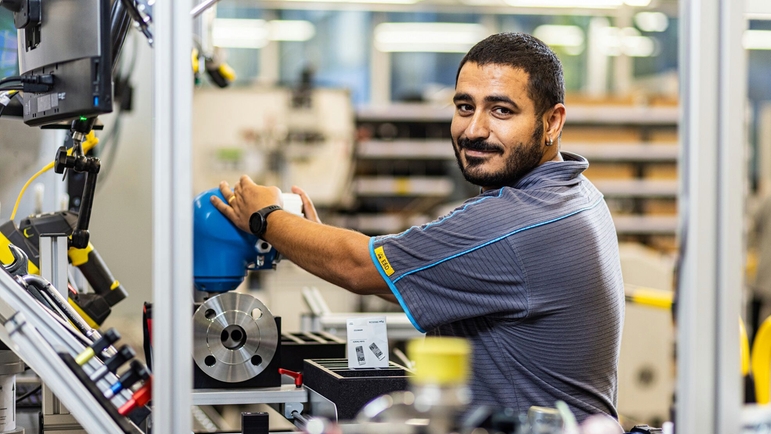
x: 37, y: 338
x: 711, y: 194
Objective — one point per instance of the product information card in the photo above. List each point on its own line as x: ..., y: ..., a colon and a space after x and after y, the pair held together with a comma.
x: 367, y: 343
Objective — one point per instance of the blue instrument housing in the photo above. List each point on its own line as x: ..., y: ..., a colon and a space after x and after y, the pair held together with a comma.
x: 222, y: 253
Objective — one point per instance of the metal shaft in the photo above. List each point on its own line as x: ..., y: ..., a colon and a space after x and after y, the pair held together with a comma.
x: 60, y: 302
x: 202, y: 7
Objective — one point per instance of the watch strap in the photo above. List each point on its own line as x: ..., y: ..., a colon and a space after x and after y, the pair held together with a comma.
x: 268, y: 209
x: 263, y: 215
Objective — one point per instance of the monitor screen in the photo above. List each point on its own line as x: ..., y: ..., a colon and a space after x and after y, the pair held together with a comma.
x: 72, y: 43
x: 8, y: 61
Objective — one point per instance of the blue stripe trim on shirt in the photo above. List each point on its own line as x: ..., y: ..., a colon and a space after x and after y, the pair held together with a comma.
x: 391, y: 285
x: 495, y: 240
x: 455, y: 212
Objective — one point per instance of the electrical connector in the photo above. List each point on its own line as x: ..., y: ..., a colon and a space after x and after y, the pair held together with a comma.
x: 5, y: 97
x: 37, y: 83
x: 38, y: 79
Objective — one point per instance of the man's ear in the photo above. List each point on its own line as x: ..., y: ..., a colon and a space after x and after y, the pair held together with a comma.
x: 554, y: 121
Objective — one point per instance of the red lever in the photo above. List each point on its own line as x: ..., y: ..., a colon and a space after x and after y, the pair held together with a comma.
x: 298, y: 376
x: 140, y: 398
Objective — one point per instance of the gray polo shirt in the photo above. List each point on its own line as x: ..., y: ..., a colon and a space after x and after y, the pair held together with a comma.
x: 530, y: 274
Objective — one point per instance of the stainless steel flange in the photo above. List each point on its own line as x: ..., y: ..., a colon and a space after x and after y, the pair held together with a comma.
x: 235, y: 337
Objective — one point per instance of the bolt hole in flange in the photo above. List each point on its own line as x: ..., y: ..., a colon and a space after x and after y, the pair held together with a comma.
x: 256, y: 360
x: 210, y: 360
x: 210, y: 314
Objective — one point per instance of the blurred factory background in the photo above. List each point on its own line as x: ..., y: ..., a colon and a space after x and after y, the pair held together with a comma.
x: 351, y: 100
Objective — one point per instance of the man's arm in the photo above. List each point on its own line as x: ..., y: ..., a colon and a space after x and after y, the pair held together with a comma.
x: 389, y: 297
x: 339, y: 256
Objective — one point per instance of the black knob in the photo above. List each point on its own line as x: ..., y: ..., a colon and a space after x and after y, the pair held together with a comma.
x: 137, y: 372
x: 80, y: 238
x: 60, y: 162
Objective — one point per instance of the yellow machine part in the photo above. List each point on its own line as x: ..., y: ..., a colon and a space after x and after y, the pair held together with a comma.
x: 651, y: 297
x: 761, y: 362
x: 227, y: 71
x: 90, y: 321
x: 79, y: 257
x: 194, y: 55
x: 663, y: 300
x: 744, y: 349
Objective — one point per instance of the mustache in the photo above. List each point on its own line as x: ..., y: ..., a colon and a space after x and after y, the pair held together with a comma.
x: 478, y: 145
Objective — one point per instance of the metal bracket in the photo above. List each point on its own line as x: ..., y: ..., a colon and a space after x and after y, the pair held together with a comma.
x: 53, y: 261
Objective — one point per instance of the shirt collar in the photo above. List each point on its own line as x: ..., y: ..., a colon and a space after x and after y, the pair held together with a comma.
x: 560, y: 172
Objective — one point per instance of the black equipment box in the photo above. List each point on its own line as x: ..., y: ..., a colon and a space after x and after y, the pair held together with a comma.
x: 296, y: 347
x: 351, y: 389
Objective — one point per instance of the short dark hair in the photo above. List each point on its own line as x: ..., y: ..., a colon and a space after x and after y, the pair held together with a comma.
x: 546, y: 86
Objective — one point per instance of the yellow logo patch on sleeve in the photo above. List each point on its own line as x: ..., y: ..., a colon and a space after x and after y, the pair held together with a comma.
x: 381, y: 257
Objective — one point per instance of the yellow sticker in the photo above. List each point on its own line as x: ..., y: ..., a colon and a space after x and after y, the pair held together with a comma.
x: 381, y: 257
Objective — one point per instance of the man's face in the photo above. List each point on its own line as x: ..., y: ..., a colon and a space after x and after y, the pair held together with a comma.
x: 496, y: 135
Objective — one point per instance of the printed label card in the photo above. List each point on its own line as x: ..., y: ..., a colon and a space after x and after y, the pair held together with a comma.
x: 367, y: 343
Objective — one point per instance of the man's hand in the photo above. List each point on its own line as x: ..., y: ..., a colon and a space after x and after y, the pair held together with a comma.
x: 308, y: 209
x: 339, y: 256
x: 245, y: 199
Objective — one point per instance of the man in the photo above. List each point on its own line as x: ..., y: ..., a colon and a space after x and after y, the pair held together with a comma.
x: 528, y: 270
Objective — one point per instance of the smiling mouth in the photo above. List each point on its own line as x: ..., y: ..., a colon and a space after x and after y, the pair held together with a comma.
x: 474, y: 153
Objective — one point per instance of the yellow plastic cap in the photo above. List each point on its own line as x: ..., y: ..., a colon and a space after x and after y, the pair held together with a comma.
x: 441, y: 361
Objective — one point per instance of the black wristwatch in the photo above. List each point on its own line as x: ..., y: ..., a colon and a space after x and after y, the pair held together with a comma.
x: 258, y: 222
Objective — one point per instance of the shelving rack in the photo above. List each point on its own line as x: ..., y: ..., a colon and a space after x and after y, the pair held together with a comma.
x: 405, y: 158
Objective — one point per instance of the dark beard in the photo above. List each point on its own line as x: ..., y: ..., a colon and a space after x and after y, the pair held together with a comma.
x: 523, y: 159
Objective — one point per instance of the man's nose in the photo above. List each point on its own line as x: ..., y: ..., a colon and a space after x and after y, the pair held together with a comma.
x: 478, y: 127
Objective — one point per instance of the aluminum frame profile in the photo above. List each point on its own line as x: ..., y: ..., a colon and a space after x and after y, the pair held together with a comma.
x: 172, y: 219
x: 36, y: 337
x: 713, y: 175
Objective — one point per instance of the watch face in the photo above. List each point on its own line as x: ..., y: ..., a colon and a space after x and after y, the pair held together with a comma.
x: 256, y: 223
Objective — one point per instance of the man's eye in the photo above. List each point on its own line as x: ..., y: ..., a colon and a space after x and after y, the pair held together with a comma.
x: 464, y: 108
x: 503, y: 110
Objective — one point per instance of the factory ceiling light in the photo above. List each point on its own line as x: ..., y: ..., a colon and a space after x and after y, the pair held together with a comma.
x: 400, y: 2
x: 627, y: 41
x: 651, y: 21
x: 239, y: 33
x: 571, y: 38
x: 428, y: 37
x: 251, y: 33
x: 585, y: 4
x: 534, y: 7
x: 291, y: 30
x: 757, y: 39
x: 637, y: 3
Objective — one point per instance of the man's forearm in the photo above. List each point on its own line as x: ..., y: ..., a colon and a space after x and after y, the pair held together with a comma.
x: 389, y: 297
x: 339, y: 256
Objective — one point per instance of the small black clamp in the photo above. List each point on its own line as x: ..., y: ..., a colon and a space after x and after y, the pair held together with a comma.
x: 91, y: 166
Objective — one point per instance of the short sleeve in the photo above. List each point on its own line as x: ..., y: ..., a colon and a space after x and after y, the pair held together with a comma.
x: 458, y: 267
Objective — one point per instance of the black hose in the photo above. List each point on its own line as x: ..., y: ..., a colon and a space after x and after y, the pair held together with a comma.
x: 300, y: 418
x: 59, y: 302
x: 120, y: 23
